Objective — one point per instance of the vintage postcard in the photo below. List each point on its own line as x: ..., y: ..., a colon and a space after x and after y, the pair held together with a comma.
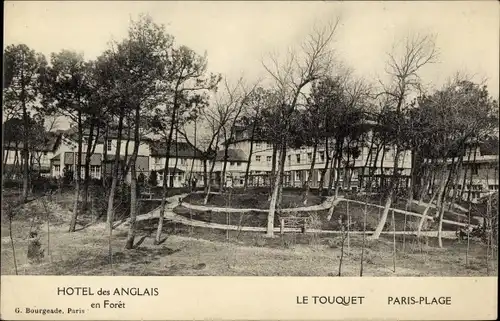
x: 250, y: 160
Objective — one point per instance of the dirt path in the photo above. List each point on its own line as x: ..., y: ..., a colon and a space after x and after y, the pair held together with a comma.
x: 174, y: 201
x: 202, y: 208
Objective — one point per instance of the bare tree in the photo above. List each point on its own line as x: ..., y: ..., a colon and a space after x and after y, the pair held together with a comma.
x: 313, y: 60
x: 236, y: 110
x: 403, y: 70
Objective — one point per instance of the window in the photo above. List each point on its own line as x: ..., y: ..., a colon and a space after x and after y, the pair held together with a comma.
x: 238, y: 164
x: 268, y: 146
x: 160, y: 176
x: 309, y: 157
x: 95, y: 171
x: 289, y: 159
x: 157, y: 160
x: 44, y: 153
x: 298, y: 158
x: 322, y: 156
x: 269, y: 159
x: 257, y: 158
x: 474, y: 169
x: 257, y: 145
x: 183, y: 161
x: 57, y: 168
x: 232, y: 163
x: 493, y: 187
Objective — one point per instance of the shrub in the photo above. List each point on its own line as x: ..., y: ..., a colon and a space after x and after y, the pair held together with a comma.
x: 153, y: 178
x: 68, y: 177
x: 141, y: 179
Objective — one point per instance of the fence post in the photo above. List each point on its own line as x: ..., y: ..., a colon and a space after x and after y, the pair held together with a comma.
x: 282, y: 225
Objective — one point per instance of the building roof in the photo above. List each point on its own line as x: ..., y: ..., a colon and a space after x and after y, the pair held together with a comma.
x: 72, y: 133
x: 233, y: 155
x: 179, y: 149
x: 69, y: 159
x: 171, y: 170
x: 48, y: 143
x: 489, y: 146
x: 111, y: 158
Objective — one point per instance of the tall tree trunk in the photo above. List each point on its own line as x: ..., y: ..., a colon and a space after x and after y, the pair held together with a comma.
x: 443, y: 199
x: 77, y: 159
x: 127, y: 161
x: 465, y: 173
x: 307, y: 183
x: 340, y: 152
x: 273, y: 171
x: 274, y: 195
x: 281, y: 179
x: 209, y: 189
x: 247, y: 171
x: 205, y: 201
x: 456, y: 177
x: 345, y: 183
x: 369, y: 157
x: 25, y: 138
x: 88, y: 155
x: 173, y: 125
x: 426, y: 180
x: 333, y: 167
x: 470, y: 177
x: 205, y: 175
x: 115, y: 178
x: 192, y: 163
x: 390, y: 194
x: 412, y: 180
x: 222, y: 183
x: 325, y: 168
x: 382, y: 174
x: 372, y: 170
x: 6, y: 154
x: 16, y: 166
x: 133, y: 183
x: 423, y: 218
x: 105, y: 157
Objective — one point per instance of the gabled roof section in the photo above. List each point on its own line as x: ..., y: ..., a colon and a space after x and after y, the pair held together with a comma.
x: 181, y: 149
x: 489, y: 146
x: 49, y: 143
x: 70, y: 159
x: 72, y: 133
x: 233, y: 155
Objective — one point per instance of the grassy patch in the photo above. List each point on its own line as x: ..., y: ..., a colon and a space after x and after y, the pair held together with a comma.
x: 356, y: 213
x: 204, y: 251
x: 255, y: 198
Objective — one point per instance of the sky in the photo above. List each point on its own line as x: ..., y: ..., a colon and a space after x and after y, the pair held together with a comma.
x: 236, y: 35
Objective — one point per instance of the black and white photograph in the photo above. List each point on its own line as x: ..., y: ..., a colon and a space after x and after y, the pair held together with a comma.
x: 250, y: 138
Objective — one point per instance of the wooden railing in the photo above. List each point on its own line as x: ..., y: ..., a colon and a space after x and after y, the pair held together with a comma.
x: 294, y: 222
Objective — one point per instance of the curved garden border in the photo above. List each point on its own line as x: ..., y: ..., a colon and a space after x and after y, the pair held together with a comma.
x: 329, y: 202
x: 174, y: 202
x: 170, y: 215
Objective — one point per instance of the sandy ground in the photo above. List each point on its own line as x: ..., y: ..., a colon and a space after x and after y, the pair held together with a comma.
x: 206, y: 251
